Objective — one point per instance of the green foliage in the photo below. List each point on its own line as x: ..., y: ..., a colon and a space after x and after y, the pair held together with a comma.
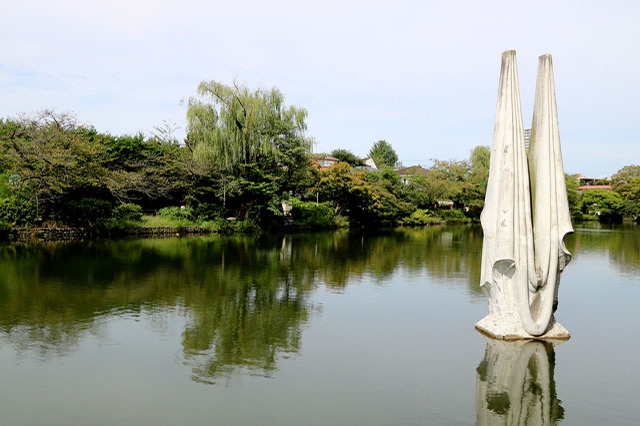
x: 50, y: 155
x: 448, y: 180
x: 84, y: 212
x: 420, y: 192
x: 340, y: 221
x: 383, y: 153
x: 312, y: 215
x: 347, y: 157
x: 452, y: 216
x: 574, y: 197
x: 248, y: 226
x: 480, y: 159
x: 16, y: 212
x: 244, y: 150
x: 204, y: 211
x: 603, y: 203
x: 176, y: 213
x: 5, y: 187
x: 388, y: 202
x: 366, y: 198
x: 241, y: 126
x: 143, y: 170
x: 475, y: 188
x: 421, y: 217
x: 253, y: 144
x: 128, y: 212
x: 626, y: 182
x: 349, y: 190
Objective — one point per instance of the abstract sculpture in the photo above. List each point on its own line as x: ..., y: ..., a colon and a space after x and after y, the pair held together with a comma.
x: 526, y: 214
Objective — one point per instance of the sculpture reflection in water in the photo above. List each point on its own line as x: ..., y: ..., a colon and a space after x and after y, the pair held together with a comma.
x: 515, y: 384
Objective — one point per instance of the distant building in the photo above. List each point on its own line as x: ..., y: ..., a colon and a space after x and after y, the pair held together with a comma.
x: 591, y: 181
x: 323, y: 161
x: 407, y: 172
x: 370, y: 163
x: 369, y: 166
x: 586, y: 187
x: 527, y: 138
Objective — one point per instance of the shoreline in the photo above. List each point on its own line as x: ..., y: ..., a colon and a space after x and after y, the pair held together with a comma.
x: 91, y: 234
x: 81, y: 234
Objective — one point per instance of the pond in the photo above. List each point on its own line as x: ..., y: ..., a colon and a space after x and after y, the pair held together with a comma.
x: 337, y: 328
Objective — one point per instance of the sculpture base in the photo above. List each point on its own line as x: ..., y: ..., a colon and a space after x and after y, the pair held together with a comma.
x: 491, y: 327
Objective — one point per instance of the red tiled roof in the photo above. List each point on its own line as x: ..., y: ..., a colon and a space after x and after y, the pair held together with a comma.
x: 323, y: 157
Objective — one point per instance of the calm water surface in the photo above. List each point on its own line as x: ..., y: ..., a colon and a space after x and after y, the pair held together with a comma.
x: 330, y: 328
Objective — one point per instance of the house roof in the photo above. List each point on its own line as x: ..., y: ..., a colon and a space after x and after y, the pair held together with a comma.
x: 580, y: 188
x: 323, y: 157
x: 413, y: 170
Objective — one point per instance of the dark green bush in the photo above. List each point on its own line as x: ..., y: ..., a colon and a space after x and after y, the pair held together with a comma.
x: 453, y: 216
x: 308, y: 213
x: 421, y: 217
x: 84, y: 212
x: 248, y: 226
x: 207, y: 211
x: 16, y: 212
x: 128, y: 211
x: 176, y: 213
x: 5, y: 188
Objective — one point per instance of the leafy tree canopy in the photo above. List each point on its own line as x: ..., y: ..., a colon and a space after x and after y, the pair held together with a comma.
x: 606, y: 204
x: 383, y: 153
x: 233, y: 125
x: 347, y: 157
x: 627, y: 183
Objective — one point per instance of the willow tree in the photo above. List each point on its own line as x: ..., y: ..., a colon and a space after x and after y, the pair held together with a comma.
x: 241, y: 132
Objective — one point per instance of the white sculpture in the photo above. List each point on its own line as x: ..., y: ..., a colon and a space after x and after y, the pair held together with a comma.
x: 523, y: 252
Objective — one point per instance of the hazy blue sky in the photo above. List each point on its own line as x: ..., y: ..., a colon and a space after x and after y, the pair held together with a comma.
x: 421, y: 74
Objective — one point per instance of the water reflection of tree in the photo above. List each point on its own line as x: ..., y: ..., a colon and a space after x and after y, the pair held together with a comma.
x: 620, y: 242
x: 447, y: 253
x: 246, y: 302
x: 246, y: 297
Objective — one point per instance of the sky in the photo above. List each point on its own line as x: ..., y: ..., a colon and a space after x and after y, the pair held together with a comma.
x: 423, y: 75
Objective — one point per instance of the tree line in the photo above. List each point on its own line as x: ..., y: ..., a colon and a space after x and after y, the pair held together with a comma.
x: 245, y: 154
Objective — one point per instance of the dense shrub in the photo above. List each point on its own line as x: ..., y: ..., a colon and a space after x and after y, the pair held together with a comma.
x: 248, y: 226
x: 340, y: 221
x: 176, y: 213
x: 128, y: 212
x: 453, y: 216
x: 308, y: 213
x: 15, y: 212
x: 607, y: 205
x: 207, y: 211
x: 84, y: 212
x: 421, y: 217
x: 5, y: 189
